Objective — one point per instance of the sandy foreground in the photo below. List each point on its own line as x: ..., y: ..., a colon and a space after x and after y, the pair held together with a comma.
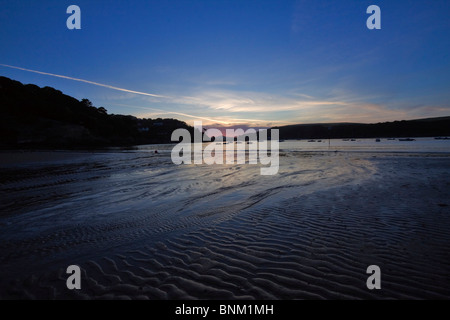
x: 142, y: 228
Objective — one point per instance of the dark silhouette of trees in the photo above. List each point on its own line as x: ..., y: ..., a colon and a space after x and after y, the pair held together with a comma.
x: 34, y: 117
x: 86, y: 102
x: 413, y: 128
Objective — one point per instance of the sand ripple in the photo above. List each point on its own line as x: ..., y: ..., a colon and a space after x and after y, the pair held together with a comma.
x: 198, y: 233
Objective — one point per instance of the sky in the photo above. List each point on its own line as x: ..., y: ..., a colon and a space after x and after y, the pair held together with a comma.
x: 237, y: 62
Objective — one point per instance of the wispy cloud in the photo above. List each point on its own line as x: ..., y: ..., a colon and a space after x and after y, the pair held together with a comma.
x: 85, y: 81
x: 218, y: 121
x: 302, y: 95
x: 340, y: 106
x: 253, y: 102
x: 161, y: 111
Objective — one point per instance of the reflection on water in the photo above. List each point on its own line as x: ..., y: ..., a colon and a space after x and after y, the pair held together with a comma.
x: 363, y: 145
x: 369, y: 145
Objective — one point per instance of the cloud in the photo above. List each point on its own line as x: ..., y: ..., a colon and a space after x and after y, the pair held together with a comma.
x: 340, y: 106
x: 253, y: 102
x: 220, y: 121
x: 85, y: 81
x: 304, y: 95
x: 160, y: 111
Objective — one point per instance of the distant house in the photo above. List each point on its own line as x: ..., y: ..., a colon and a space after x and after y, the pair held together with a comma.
x: 143, y: 129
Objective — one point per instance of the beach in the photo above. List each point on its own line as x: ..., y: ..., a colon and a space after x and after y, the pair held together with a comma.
x: 141, y: 227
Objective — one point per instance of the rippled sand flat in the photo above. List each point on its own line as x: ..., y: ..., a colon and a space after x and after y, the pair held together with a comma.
x: 141, y: 227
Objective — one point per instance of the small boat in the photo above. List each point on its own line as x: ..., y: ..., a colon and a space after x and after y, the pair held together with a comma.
x: 311, y: 140
x: 353, y: 140
x: 319, y: 140
x: 442, y: 138
x: 378, y: 140
x: 407, y: 139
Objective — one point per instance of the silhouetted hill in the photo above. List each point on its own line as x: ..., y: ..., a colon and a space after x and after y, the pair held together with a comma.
x: 34, y: 117
x: 430, y: 127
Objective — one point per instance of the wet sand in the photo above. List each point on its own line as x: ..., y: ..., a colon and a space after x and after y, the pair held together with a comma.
x: 142, y: 228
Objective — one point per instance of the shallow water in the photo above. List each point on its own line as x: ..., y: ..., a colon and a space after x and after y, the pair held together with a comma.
x: 420, y: 145
x: 142, y: 227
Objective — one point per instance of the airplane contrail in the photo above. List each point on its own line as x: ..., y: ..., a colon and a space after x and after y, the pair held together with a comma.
x: 115, y: 88
x: 129, y: 91
x: 85, y: 81
x: 229, y: 122
x: 172, y: 112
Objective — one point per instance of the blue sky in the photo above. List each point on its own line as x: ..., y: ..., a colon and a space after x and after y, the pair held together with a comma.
x: 256, y: 63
